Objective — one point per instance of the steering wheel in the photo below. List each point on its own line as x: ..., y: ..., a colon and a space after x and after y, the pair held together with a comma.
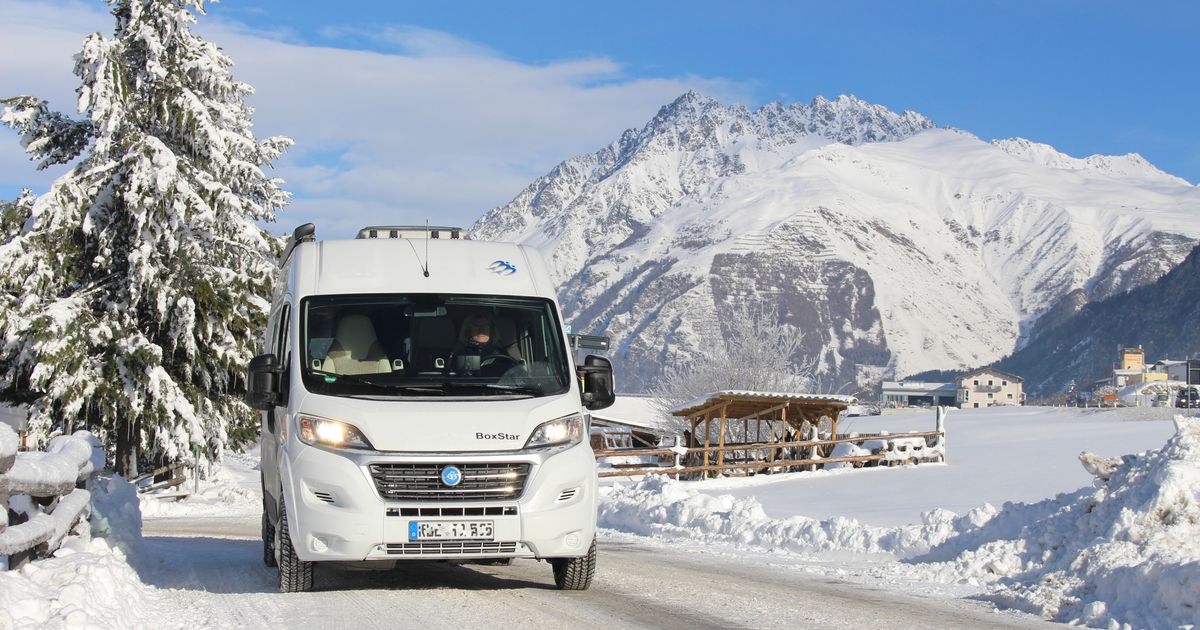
x: 500, y: 360
x: 502, y: 366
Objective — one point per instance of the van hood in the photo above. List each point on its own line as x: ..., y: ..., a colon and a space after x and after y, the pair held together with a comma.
x: 443, y: 425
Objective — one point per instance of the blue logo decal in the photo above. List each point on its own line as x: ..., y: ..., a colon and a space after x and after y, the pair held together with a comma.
x: 451, y: 476
x: 502, y: 268
x: 413, y: 531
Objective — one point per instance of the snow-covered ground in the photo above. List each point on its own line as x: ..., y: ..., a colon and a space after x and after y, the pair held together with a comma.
x: 1121, y: 552
x: 1112, y: 549
x: 231, y: 489
x: 994, y: 455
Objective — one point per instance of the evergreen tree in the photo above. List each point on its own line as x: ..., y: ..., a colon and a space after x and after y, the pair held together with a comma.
x: 131, y: 296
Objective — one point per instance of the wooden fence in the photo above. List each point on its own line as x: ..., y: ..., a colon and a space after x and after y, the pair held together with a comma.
x: 175, y: 480
x: 53, y: 482
x: 886, y: 449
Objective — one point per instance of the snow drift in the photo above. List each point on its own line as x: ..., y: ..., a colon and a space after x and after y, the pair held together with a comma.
x: 1126, y: 551
x: 89, y: 582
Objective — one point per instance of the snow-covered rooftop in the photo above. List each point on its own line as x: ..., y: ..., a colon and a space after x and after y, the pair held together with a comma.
x: 636, y: 411
x: 712, y: 398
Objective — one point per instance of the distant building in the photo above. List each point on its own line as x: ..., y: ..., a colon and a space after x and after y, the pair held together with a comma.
x: 1172, y: 370
x: 1133, y: 359
x: 990, y: 387
x: 918, y: 394
x: 631, y: 422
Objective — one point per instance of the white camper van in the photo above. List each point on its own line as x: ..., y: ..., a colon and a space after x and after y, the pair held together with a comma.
x: 421, y: 400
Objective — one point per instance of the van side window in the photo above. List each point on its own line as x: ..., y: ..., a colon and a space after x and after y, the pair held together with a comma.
x: 282, y: 344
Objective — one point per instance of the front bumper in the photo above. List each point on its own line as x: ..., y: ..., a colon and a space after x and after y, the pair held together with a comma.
x: 335, y: 512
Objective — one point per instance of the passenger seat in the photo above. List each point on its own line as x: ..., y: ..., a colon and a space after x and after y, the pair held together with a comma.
x: 355, y: 349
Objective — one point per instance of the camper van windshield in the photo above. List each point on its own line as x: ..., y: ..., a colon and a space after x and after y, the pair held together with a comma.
x: 432, y: 345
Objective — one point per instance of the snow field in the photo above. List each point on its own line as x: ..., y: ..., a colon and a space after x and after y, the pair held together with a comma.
x: 1118, y: 553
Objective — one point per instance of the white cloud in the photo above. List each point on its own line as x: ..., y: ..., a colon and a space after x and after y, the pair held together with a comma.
x: 443, y: 131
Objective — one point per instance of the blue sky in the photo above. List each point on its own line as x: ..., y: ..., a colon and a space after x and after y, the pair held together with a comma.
x: 489, y: 95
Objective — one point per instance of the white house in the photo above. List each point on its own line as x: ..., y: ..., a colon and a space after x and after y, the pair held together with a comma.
x: 990, y: 387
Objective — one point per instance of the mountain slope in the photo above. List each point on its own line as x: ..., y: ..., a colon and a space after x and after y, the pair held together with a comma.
x: 1163, y: 317
x: 889, y: 243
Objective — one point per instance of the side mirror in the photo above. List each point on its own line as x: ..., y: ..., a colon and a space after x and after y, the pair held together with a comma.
x: 597, y: 387
x: 262, y: 382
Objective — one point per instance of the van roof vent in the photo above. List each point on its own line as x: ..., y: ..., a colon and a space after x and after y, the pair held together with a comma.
x: 412, y: 231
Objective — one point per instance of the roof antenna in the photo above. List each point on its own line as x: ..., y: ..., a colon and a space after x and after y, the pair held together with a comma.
x: 424, y: 267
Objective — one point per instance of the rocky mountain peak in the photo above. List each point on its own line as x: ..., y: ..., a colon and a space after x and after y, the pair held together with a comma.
x: 890, y: 244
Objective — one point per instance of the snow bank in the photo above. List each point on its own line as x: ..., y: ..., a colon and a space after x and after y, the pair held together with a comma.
x: 1125, y: 552
x: 662, y: 507
x: 88, y: 583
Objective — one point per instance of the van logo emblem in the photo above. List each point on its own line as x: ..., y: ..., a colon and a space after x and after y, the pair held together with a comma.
x: 451, y: 476
x: 502, y: 268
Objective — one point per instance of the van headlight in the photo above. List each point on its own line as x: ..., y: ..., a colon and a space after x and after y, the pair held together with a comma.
x: 564, y: 430
x: 326, y: 432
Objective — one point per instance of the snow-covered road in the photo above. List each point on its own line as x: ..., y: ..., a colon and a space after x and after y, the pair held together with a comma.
x: 211, y: 573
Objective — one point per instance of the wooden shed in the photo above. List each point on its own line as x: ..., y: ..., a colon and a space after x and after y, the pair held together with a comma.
x: 758, y: 429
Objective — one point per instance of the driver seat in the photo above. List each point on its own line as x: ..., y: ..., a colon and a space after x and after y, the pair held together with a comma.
x: 356, y: 349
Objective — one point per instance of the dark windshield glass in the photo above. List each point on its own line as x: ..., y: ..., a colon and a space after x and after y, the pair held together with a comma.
x: 432, y: 345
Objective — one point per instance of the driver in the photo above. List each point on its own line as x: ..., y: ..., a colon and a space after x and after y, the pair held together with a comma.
x: 477, y: 350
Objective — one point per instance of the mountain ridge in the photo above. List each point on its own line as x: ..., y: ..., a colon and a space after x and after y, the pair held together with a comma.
x: 892, y: 244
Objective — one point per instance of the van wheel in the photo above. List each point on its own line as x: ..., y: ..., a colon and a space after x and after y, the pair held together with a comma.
x: 575, y: 574
x: 295, y: 575
x: 268, y: 540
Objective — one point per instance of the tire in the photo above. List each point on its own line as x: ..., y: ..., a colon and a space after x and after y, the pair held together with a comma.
x: 575, y: 574
x: 268, y: 540
x: 295, y: 575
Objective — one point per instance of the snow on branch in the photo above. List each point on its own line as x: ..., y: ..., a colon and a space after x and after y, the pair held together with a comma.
x: 47, y: 136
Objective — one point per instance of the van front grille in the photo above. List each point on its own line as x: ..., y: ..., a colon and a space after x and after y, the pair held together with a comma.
x: 423, y: 482
x: 463, y: 548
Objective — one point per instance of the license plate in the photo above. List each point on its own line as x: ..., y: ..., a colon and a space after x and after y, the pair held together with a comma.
x: 450, y: 530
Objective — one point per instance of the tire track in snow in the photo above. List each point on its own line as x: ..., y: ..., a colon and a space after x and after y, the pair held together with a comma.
x: 212, y: 570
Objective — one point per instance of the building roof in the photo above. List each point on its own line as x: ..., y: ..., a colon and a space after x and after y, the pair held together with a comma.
x: 918, y: 387
x: 1011, y: 377
x: 763, y: 399
x: 636, y: 411
x: 15, y: 417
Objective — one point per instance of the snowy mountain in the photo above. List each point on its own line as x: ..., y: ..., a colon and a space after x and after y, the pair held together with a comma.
x: 1162, y: 316
x: 890, y: 243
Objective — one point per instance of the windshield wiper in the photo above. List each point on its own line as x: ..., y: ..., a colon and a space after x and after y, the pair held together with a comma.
x: 528, y: 390
x: 359, y: 379
x: 432, y: 388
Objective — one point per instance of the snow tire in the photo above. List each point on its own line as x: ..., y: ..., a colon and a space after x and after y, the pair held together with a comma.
x: 295, y: 575
x: 575, y: 574
x: 268, y: 540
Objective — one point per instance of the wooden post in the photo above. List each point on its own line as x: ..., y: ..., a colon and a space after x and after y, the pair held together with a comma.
x: 721, y: 439
x: 692, y: 439
x: 782, y: 433
x: 707, y: 438
x: 678, y: 461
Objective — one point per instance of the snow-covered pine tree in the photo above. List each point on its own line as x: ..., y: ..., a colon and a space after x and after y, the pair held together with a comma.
x: 130, y: 299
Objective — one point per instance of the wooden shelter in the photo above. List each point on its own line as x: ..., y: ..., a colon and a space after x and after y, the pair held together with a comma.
x: 767, y: 424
